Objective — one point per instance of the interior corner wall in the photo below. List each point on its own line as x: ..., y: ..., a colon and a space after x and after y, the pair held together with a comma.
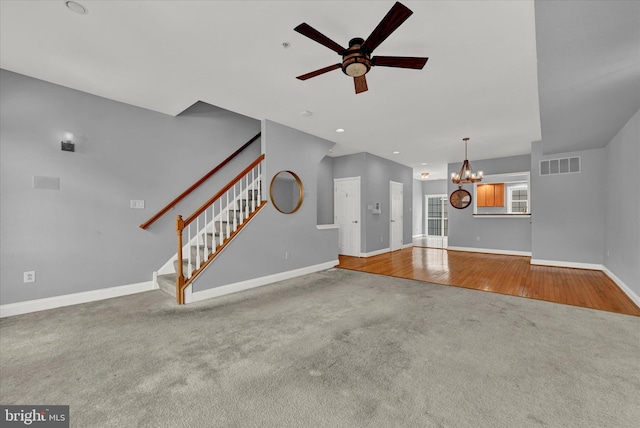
x: 418, y: 208
x: 376, y: 188
x: 84, y: 236
x: 273, y: 242
x: 376, y: 173
x: 325, y: 191
x: 567, y: 221
x: 622, y: 213
x: 496, y: 234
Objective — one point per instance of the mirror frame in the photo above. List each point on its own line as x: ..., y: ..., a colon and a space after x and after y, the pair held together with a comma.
x: 300, y: 192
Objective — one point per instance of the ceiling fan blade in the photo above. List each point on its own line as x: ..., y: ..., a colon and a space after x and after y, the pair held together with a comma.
x: 319, y: 72
x: 399, y: 61
x: 394, y: 18
x: 306, y: 30
x: 360, y: 83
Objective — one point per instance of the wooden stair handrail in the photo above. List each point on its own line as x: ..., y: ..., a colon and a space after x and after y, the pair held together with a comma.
x: 197, y: 183
x: 222, y: 191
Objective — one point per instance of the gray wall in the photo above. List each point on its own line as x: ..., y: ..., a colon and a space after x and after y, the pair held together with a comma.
x: 84, y: 236
x: 510, y: 234
x: 622, y: 213
x: 325, y: 191
x: 568, y: 209
x: 418, y: 208
x: 376, y: 173
x: 260, y: 249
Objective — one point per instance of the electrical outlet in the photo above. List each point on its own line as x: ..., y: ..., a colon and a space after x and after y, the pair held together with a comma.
x: 477, y: 238
x: 286, y: 255
x: 29, y: 276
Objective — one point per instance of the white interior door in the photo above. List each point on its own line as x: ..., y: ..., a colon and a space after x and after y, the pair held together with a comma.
x: 437, y: 220
x: 346, y: 203
x: 395, y: 216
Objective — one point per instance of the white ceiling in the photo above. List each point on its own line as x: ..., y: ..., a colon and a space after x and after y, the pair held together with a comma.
x: 480, y: 81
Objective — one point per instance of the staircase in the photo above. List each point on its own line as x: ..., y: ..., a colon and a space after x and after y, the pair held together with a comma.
x: 213, y: 238
x: 212, y: 226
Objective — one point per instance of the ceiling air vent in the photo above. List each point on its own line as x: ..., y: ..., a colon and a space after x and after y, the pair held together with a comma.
x: 560, y: 166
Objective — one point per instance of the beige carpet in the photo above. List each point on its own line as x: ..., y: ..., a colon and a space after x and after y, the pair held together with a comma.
x: 332, y: 349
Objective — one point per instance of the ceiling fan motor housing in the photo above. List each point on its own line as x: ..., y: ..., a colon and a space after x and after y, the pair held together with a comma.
x: 355, y: 62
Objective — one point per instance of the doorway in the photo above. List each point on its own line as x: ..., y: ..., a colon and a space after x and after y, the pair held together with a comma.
x: 436, y: 221
x: 395, y: 216
x: 346, y: 203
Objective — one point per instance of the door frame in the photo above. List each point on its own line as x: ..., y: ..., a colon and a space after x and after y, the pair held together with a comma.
x: 391, y: 234
x: 445, y: 200
x: 359, y: 211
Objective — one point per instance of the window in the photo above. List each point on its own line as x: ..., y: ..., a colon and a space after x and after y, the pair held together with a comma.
x: 518, y: 198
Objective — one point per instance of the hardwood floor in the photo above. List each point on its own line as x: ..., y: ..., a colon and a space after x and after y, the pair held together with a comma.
x: 512, y: 275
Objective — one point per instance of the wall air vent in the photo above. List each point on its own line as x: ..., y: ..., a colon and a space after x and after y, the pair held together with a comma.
x: 560, y: 166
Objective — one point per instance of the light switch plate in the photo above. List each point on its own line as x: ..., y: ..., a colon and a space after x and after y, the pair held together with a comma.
x: 137, y: 204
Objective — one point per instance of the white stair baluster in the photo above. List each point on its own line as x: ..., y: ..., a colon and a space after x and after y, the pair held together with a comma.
x: 246, y: 201
x: 213, y: 227
x: 228, y: 219
x: 235, y: 209
x: 221, y: 231
x: 259, y: 185
x: 197, y: 243
x: 204, y: 238
x: 253, y: 192
x: 189, y: 251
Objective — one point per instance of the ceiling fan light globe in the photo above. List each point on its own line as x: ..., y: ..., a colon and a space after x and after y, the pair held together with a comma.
x: 356, y: 69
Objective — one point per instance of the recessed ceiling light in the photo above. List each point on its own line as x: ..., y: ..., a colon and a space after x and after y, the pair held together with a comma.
x: 306, y: 113
x: 339, y: 130
x: 396, y: 152
x: 76, y: 7
x: 424, y: 163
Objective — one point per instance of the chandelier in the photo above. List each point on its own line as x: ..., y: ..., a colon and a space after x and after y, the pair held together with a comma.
x: 466, y: 174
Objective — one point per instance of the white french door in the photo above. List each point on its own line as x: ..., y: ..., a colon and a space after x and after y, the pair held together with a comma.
x: 437, y: 220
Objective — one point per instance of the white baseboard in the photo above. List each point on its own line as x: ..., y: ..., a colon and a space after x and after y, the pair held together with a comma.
x: 407, y: 245
x: 19, y: 308
x: 490, y: 251
x: 624, y: 287
x: 375, y: 253
x: 560, y: 263
x: 196, y: 296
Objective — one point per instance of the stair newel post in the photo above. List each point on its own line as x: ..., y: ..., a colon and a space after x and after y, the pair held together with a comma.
x: 180, y: 275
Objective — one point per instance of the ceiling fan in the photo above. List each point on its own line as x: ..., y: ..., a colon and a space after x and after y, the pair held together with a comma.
x: 357, y: 59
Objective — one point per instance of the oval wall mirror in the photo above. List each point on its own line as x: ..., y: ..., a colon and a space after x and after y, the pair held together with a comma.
x: 286, y: 192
